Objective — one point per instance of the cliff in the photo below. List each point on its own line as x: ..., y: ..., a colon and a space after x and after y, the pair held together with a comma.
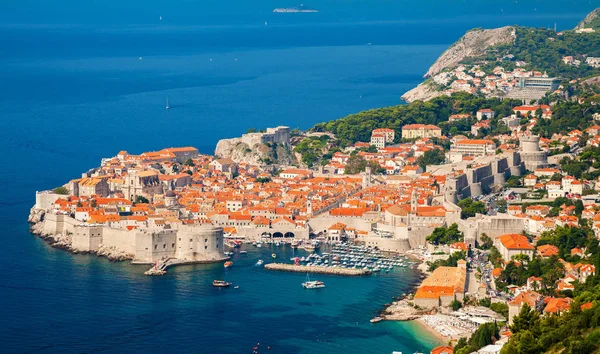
x: 588, y: 19
x: 422, y: 92
x: 259, y: 154
x: 474, y: 43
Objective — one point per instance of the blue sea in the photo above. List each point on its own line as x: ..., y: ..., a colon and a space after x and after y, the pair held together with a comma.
x: 82, y: 80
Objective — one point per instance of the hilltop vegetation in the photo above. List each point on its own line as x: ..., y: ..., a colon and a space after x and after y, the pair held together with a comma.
x: 357, y: 127
x: 543, y: 49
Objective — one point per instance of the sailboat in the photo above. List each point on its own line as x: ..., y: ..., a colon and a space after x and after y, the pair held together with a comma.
x: 167, y: 106
x: 315, y: 284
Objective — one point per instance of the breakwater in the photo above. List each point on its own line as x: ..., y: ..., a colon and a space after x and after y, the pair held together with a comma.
x: 317, y: 269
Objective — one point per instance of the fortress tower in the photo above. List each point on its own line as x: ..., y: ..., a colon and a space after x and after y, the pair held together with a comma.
x: 530, y: 152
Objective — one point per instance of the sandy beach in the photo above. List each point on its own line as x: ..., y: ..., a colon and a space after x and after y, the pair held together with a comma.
x: 431, y: 330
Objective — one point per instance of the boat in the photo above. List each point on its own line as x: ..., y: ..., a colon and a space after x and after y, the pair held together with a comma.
x: 314, y: 284
x: 167, y: 106
x: 309, y: 248
x: 236, y: 287
x: 376, y: 319
x: 258, y: 244
x: 228, y: 264
x: 243, y: 252
x: 274, y: 255
x: 220, y: 283
x: 260, y: 262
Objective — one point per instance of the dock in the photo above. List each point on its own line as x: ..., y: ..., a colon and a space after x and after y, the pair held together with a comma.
x: 161, y: 267
x: 317, y: 269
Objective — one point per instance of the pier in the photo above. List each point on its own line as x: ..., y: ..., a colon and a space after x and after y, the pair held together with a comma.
x: 317, y: 269
x: 161, y: 267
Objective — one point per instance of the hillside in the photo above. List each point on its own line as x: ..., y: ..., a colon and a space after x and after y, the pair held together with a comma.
x: 592, y: 20
x: 490, y: 62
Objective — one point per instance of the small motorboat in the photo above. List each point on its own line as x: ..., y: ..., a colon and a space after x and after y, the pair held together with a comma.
x: 376, y: 319
x: 243, y: 252
x: 220, y: 283
x: 228, y: 264
x: 274, y: 255
x: 236, y: 287
x: 260, y: 262
x: 314, y: 284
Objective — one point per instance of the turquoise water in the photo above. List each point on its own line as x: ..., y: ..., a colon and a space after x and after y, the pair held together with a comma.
x: 73, y: 90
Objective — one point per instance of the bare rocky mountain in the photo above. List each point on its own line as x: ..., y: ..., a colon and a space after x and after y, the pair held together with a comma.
x: 472, y: 44
x: 588, y: 19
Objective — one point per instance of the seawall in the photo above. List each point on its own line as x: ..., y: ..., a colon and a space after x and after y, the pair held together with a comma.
x: 316, y: 269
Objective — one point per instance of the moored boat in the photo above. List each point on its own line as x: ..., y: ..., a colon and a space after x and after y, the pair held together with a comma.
x: 376, y: 319
x: 260, y: 262
x: 228, y: 264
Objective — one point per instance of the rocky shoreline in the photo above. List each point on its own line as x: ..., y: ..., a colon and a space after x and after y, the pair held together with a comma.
x: 403, y: 309
x: 64, y: 241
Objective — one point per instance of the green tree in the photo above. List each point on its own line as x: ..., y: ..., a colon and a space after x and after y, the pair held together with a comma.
x: 431, y: 157
x: 189, y: 162
x: 486, y: 242
x: 455, y: 304
x: 61, y: 190
x: 469, y: 208
x: 528, y: 318
x: 445, y: 235
x: 141, y: 199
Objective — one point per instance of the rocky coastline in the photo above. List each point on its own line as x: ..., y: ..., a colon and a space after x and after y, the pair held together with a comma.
x: 403, y: 309
x: 474, y: 43
x: 64, y: 241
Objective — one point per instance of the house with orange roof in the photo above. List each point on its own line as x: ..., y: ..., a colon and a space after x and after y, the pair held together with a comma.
x: 443, y: 286
x: 547, y: 251
x: 336, y: 232
x: 459, y: 246
x: 412, y: 131
x: 388, y: 134
x: 511, y: 245
x: 585, y: 271
x: 514, y: 210
x: 534, y: 283
x: 537, y: 210
x: 557, y: 306
x: 455, y: 117
x: 545, y: 172
x: 532, y: 298
x: 530, y: 181
x: 444, y: 349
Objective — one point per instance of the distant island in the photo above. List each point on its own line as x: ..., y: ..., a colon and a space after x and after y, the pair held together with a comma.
x: 300, y: 8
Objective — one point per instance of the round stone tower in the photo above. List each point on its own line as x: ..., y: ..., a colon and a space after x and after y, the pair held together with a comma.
x: 530, y: 152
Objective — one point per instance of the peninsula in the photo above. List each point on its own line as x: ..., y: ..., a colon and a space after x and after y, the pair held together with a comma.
x: 514, y: 62
x: 496, y: 194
